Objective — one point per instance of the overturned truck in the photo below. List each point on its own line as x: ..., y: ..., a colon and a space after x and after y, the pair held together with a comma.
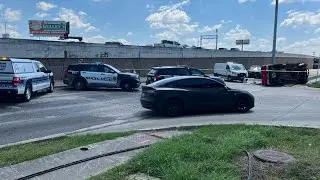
x: 281, y: 74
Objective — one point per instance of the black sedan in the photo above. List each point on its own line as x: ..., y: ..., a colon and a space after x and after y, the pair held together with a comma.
x: 177, y: 95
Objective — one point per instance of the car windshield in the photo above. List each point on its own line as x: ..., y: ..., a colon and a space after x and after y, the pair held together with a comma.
x: 255, y: 68
x: 237, y: 67
x: 113, y: 68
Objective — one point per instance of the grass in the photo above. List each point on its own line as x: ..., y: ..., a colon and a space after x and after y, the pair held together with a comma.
x: 312, y: 78
x: 315, y: 85
x: 210, y: 153
x: 19, y: 153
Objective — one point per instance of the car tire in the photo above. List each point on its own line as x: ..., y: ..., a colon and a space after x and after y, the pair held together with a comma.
x: 126, y: 86
x: 243, y: 105
x: 26, y: 97
x: 174, y: 108
x: 51, y: 88
x: 79, y: 84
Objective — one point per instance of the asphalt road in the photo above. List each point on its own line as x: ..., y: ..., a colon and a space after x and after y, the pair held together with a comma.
x: 67, y: 110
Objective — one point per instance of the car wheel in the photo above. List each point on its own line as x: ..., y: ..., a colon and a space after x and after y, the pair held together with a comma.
x: 79, y: 85
x: 51, y: 88
x: 126, y: 86
x: 174, y: 108
x: 27, y: 93
x: 243, y: 105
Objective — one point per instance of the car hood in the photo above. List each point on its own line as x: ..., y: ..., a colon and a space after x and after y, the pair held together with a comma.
x: 240, y: 71
x: 129, y: 74
x: 239, y: 91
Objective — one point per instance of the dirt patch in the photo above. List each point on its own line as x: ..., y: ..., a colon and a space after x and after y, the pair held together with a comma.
x: 265, y: 170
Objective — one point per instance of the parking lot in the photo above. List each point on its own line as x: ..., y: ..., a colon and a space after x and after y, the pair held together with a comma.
x: 67, y: 110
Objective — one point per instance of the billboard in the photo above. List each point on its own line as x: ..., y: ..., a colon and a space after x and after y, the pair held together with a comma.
x: 243, y: 41
x: 48, y: 28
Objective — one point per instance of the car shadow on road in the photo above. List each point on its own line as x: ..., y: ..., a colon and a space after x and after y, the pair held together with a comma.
x: 99, y: 90
x: 152, y: 115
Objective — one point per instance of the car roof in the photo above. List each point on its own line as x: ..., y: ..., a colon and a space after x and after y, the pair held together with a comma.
x: 169, y: 67
x: 21, y: 60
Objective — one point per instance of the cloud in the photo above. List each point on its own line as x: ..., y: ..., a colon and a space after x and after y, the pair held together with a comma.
x: 76, y: 19
x: 81, y: 13
x: 306, y: 47
x: 42, y: 14
x: 129, y: 34
x: 225, y: 21
x: 44, y: 6
x: 11, y: 30
x: 208, y: 29
x: 150, y: 7
x: 12, y: 15
x: 172, y: 18
x: 301, y: 17
x: 102, y: 39
x: 100, y: 0
x: 317, y: 31
x: 237, y: 33
x: 293, y: 1
x: 167, y: 35
x: 244, y: 1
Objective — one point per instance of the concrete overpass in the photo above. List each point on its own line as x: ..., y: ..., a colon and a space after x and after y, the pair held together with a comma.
x: 57, y: 55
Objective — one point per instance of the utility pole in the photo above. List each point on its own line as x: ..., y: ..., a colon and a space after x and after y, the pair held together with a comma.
x: 202, y: 37
x: 274, y: 49
x: 216, y: 39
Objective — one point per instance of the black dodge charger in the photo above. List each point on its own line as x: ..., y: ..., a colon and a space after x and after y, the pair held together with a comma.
x: 177, y: 95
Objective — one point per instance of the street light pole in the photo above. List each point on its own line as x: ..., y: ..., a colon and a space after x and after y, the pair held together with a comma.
x: 274, y: 49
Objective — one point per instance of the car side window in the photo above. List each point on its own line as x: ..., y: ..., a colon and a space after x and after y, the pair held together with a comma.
x: 166, y: 72
x: 189, y: 83
x: 37, y: 67
x: 91, y: 68
x: 206, y: 83
x: 41, y: 67
x: 195, y: 72
x: 105, y: 69
x: 228, y: 68
x: 181, y: 72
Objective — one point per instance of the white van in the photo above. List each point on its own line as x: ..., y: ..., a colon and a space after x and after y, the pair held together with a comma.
x: 230, y: 71
x: 21, y: 77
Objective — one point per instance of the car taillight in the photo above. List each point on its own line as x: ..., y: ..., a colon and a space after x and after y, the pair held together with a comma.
x: 16, y: 81
x: 158, y: 78
x: 65, y: 73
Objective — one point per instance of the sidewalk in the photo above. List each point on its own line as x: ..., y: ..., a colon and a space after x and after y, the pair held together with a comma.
x: 80, y: 164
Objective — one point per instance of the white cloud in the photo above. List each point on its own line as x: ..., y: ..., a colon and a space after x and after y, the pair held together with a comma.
x: 11, y: 30
x: 44, y: 6
x: 102, y: 39
x: 306, y: 47
x: 100, y: 0
x: 237, y: 33
x: 150, y: 7
x: 76, y: 20
x: 293, y: 1
x: 12, y: 15
x: 244, y: 1
x: 129, y: 34
x: 317, y: 31
x: 81, y: 13
x: 301, y: 17
x: 208, y: 29
x: 225, y: 21
x: 42, y: 14
x: 173, y: 19
x: 168, y: 35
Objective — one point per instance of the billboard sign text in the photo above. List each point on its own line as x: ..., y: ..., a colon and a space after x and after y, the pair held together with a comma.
x: 243, y: 41
x: 48, y: 28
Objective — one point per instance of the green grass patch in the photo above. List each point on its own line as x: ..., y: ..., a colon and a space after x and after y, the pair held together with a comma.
x: 315, y: 85
x: 312, y: 78
x: 19, y: 153
x: 210, y: 153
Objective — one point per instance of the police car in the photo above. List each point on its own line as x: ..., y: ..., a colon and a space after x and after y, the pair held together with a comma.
x: 21, y: 77
x: 81, y: 76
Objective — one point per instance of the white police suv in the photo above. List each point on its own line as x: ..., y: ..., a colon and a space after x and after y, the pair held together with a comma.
x: 22, y: 77
x: 81, y: 76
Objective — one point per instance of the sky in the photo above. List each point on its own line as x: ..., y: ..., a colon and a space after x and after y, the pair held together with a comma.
x: 144, y: 22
